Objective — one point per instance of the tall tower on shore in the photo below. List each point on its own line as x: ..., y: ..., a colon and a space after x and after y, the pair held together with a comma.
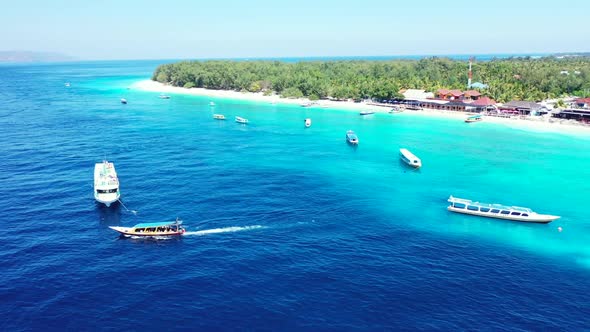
x: 470, y: 75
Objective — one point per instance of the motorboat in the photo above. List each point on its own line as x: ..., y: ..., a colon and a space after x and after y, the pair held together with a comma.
x: 395, y: 110
x: 307, y: 123
x: 409, y: 158
x: 164, y: 97
x: 106, y: 183
x: 67, y: 84
x: 366, y: 112
x: 351, y: 138
x: 498, y: 211
x: 218, y: 116
x: 241, y: 120
x: 123, y: 101
x: 306, y: 104
x: 475, y: 118
x: 152, y: 229
x: 211, y: 103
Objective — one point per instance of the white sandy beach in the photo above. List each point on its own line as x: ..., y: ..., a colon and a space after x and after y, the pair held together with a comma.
x: 537, y: 124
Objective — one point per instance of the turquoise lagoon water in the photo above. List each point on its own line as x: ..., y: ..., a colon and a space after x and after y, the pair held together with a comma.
x: 291, y: 227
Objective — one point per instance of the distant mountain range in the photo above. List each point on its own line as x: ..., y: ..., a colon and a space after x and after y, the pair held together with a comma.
x: 29, y: 56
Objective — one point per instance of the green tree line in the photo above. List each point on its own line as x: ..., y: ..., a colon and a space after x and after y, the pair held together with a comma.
x: 508, y: 79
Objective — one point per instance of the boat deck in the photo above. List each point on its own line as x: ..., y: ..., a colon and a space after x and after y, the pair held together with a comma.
x: 105, y: 175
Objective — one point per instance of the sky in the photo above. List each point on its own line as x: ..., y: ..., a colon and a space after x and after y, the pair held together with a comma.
x: 174, y: 29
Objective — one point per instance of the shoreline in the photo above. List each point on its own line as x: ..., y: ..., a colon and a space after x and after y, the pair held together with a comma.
x: 534, y: 124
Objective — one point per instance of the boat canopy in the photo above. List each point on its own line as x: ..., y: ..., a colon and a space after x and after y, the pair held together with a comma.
x: 487, y: 205
x: 156, y: 224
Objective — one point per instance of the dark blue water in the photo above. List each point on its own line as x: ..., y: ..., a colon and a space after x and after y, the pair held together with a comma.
x: 290, y: 229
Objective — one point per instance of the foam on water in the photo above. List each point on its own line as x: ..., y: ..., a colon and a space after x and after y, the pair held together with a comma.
x: 224, y: 230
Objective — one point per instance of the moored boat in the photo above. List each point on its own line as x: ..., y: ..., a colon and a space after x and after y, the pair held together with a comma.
x: 409, y: 158
x: 106, y: 183
x: 164, y: 97
x: 366, y: 112
x: 218, y: 116
x: 67, y: 84
x: 153, y: 229
x: 395, y: 110
x: 123, y: 101
x: 211, y: 103
x: 475, y: 118
x: 351, y: 138
x: 498, y: 211
x: 307, y: 123
x: 306, y: 104
x: 241, y: 120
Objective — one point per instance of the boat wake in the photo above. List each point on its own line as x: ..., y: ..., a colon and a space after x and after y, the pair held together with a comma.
x: 224, y: 230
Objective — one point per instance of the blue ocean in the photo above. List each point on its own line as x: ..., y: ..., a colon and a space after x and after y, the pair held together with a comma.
x: 287, y: 228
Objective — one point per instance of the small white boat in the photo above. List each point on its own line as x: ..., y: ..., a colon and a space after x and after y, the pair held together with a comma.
x: 67, y: 84
x: 241, y: 120
x: 123, y: 101
x: 164, y: 97
x: 152, y: 229
x: 366, y: 112
x: 395, y: 110
x: 211, y: 103
x: 475, y: 118
x: 409, y: 158
x: 218, y: 116
x: 306, y: 104
x: 307, y: 123
x: 498, y: 211
x: 351, y: 138
x: 106, y: 183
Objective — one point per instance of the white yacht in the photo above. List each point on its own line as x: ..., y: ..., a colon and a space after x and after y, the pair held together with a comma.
x: 307, y: 123
x: 164, y: 97
x: 409, y: 158
x: 218, y: 116
x: 351, y: 138
x: 106, y: 183
x: 498, y: 211
x: 241, y: 120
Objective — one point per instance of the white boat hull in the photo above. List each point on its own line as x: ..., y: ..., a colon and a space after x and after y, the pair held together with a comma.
x: 532, y: 217
x: 107, y: 199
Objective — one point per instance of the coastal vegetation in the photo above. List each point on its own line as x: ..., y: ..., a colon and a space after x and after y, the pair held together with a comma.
x: 507, y: 79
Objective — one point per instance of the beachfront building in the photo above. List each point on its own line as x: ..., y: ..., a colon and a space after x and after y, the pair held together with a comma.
x: 583, y: 103
x: 445, y: 94
x: 416, y: 94
x: 582, y: 115
x: 519, y: 107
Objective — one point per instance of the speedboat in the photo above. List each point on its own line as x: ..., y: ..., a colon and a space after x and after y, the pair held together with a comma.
x: 218, y: 116
x: 366, y: 112
x: 164, y: 97
x: 106, y: 183
x: 475, y: 118
x: 152, y: 229
x: 351, y: 138
x: 123, y: 101
x: 409, y: 158
x: 498, y: 211
x: 67, y: 84
x: 307, y: 123
x: 241, y: 120
x: 211, y: 103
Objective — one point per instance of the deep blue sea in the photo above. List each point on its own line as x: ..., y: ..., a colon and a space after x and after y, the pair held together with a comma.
x: 289, y: 228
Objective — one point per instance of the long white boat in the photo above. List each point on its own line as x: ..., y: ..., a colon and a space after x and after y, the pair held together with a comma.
x: 409, y: 158
x: 154, y: 229
x: 351, y: 138
x: 498, y: 211
x: 106, y: 183
x: 241, y: 120
x: 218, y: 116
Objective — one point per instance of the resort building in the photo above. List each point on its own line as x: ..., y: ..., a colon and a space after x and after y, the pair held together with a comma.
x: 583, y: 103
x: 523, y: 108
x: 457, y: 94
x: 415, y: 94
x: 574, y: 114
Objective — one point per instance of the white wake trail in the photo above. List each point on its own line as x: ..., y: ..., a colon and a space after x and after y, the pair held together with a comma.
x: 225, y: 230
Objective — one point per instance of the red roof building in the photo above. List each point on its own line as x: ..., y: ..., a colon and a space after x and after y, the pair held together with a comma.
x: 484, y: 101
x: 472, y: 94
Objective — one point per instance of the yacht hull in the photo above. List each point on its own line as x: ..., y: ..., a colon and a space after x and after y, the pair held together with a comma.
x: 536, y: 218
